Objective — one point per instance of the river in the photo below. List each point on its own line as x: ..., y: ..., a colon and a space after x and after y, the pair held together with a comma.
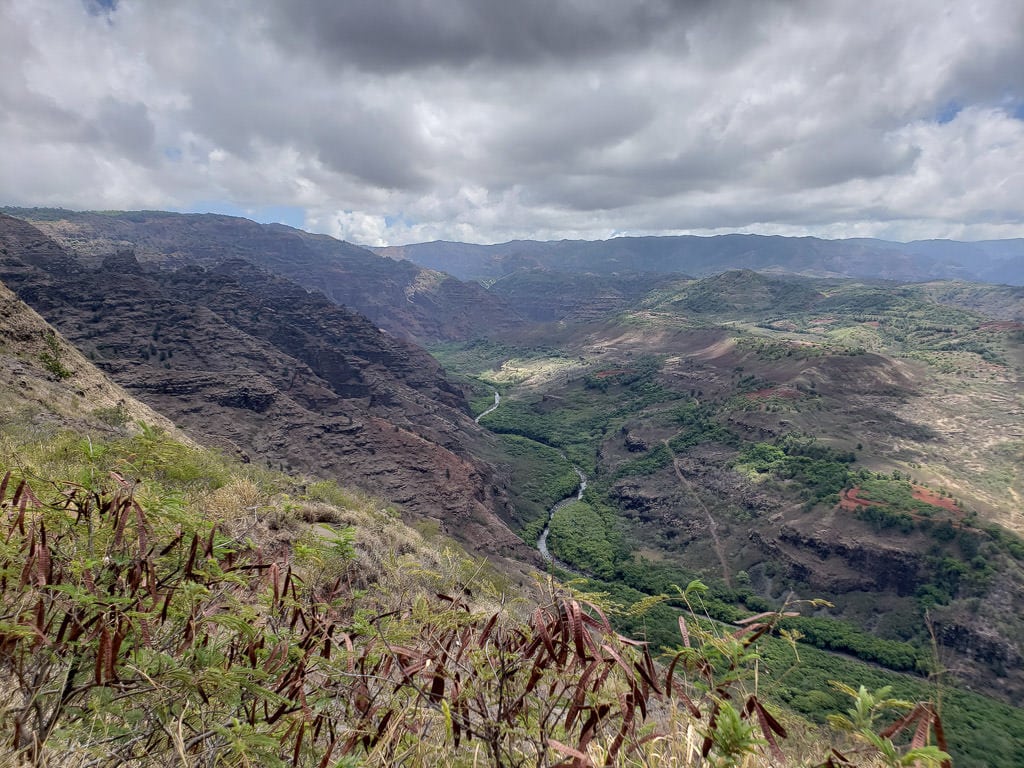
x: 542, y: 540
x: 497, y: 402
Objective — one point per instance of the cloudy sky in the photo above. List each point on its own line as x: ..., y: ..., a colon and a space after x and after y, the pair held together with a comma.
x: 487, y: 120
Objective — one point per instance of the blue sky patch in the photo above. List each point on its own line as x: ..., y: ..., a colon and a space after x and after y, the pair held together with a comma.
x: 947, y: 112
x: 97, y: 7
x: 291, y: 215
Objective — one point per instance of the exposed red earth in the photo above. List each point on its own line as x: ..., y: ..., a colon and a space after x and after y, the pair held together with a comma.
x: 1001, y: 325
x: 609, y: 373
x: 789, y: 393
x: 850, y: 499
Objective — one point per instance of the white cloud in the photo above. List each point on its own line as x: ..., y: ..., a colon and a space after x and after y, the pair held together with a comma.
x: 353, y: 226
x: 487, y: 121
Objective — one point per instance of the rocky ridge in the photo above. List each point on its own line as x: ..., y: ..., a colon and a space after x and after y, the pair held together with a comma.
x: 51, y: 381
x: 255, y: 364
x: 408, y: 300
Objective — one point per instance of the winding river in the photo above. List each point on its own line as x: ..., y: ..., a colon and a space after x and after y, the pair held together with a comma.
x: 497, y: 402
x: 542, y: 541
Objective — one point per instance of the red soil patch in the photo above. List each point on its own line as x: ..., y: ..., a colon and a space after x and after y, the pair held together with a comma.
x: 822, y: 321
x: 609, y: 373
x: 872, y: 323
x: 930, y: 497
x: 849, y: 500
x: 788, y: 393
x: 1001, y: 325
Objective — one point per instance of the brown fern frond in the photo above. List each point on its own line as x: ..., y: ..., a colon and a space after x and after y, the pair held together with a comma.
x: 3, y: 487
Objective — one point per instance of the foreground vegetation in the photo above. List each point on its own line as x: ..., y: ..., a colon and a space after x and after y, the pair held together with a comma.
x: 159, y: 604
x: 980, y: 732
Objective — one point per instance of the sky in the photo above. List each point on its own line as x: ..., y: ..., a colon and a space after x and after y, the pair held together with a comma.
x: 490, y: 120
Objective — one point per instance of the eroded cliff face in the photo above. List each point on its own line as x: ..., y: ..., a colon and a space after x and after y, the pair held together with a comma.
x: 408, y: 300
x: 839, y: 563
x: 46, y: 382
x: 255, y: 364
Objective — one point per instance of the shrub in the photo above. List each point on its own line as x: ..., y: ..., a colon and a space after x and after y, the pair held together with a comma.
x: 52, y: 358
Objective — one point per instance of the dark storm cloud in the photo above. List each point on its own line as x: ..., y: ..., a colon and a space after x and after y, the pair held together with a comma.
x: 373, y: 149
x: 410, y: 34
x: 833, y: 159
x: 128, y: 127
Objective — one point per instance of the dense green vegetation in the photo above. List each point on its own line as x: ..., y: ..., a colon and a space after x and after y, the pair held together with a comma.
x: 742, y: 290
x: 697, y: 425
x: 654, y: 460
x: 820, y: 472
x: 481, y: 398
x: 983, y: 733
x: 775, y: 349
x: 833, y: 635
x: 585, y: 535
x: 558, y: 424
x: 52, y: 358
x: 541, y: 476
x: 584, y: 411
x: 590, y: 546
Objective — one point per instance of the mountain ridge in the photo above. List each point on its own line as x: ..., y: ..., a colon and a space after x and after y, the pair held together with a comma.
x: 408, y: 300
x: 255, y: 364
x: 998, y: 261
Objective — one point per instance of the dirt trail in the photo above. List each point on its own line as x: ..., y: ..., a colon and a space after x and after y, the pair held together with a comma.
x: 712, y: 525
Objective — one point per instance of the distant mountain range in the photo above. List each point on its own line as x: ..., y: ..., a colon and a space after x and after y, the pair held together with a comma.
x: 992, y: 261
